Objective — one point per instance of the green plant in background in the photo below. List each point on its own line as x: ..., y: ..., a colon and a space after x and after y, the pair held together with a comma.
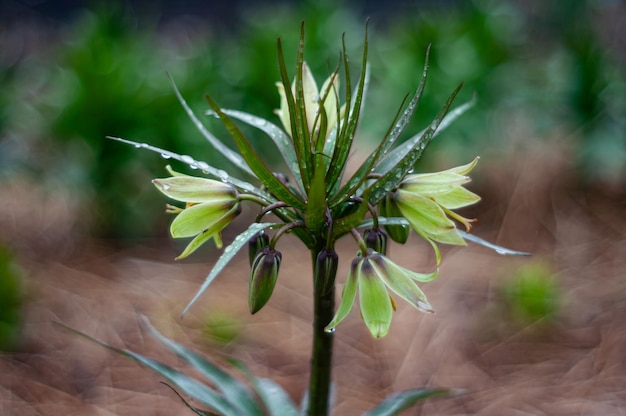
x: 56, y: 106
x: 318, y: 201
x: 532, y: 296
x: 10, y: 300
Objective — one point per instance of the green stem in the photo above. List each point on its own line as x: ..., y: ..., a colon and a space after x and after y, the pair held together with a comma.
x: 324, y: 270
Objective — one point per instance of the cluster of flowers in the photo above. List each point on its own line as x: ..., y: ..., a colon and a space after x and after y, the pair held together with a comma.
x: 422, y: 202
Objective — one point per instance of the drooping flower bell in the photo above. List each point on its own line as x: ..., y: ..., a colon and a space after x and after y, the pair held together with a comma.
x: 372, y: 275
x: 427, y: 201
x: 210, y: 206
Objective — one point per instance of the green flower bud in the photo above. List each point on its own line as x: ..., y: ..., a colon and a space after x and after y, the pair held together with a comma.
x: 256, y: 244
x: 326, y: 268
x: 376, y: 240
x: 388, y: 208
x: 263, y: 278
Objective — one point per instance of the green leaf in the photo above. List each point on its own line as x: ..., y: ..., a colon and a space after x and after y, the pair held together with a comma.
x: 232, y: 389
x: 345, y: 224
x: 263, y: 173
x: 229, y: 252
x: 397, y: 126
x: 348, y: 131
x: 186, y: 384
x: 279, y: 137
x: 400, y: 401
x: 203, y: 166
x: 399, y: 152
x: 394, y: 175
x: 234, y: 157
x: 496, y: 248
x: 276, y: 400
x: 300, y: 137
x: 361, y: 175
x: 316, y: 202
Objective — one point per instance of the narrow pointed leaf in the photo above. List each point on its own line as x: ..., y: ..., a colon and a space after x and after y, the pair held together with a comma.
x: 188, y: 385
x: 276, y: 400
x: 360, y: 176
x: 232, y: 389
x: 350, y: 221
x: 229, y: 252
x: 302, y: 126
x: 316, y: 201
x: 263, y: 173
x: 399, y: 152
x: 229, y: 154
x: 202, y: 166
x: 344, y: 141
x: 279, y: 137
x: 296, y: 134
x: 496, y: 248
x: 400, y: 401
x: 394, y: 176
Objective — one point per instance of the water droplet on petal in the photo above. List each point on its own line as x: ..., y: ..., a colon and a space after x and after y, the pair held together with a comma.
x: 165, y: 187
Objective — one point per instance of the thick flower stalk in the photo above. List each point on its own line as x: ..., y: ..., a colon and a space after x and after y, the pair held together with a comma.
x: 315, y: 199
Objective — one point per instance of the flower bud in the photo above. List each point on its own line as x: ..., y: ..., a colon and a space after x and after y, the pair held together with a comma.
x: 263, y: 278
x: 376, y: 240
x: 256, y: 244
x: 388, y: 208
x: 325, y: 270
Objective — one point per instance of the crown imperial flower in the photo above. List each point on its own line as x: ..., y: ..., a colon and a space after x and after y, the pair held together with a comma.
x: 210, y: 206
x: 427, y: 201
x: 372, y: 275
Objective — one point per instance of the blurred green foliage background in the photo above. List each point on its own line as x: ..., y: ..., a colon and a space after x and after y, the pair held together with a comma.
x: 541, y: 71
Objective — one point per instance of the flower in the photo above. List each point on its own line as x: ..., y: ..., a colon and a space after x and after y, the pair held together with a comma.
x: 211, y: 206
x: 263, y: 278
x: 372, y: 275
x: 312, y: 99
x: 426, y: 200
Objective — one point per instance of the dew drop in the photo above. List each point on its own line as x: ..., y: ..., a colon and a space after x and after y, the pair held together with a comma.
x: 330, y: 330
x: 137, y: 145
x: 187, y: 159
x: 222, y: 174
x: 165, y: 156
x: 165, y: 187
x: 203, y: 166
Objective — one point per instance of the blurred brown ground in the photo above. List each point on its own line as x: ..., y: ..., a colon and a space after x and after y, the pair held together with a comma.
x: 574, y: 366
